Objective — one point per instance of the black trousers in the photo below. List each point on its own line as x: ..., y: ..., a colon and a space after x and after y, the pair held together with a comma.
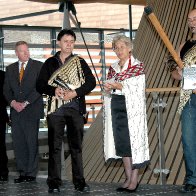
x: 56, y: 124
x: 3, y: 154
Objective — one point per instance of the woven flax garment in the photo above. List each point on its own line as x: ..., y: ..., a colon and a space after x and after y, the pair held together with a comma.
x: 71, y: 74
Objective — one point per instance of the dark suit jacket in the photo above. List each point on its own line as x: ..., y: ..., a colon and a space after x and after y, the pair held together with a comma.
x: 3, y: 102
x: 26, y: 91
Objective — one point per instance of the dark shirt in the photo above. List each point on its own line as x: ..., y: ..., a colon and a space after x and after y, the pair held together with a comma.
x: 188, y: 45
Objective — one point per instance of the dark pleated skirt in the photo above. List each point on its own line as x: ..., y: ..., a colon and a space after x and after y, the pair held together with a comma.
x: 120, y: 126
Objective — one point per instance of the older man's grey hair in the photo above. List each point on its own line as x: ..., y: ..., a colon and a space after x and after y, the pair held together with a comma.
x: 122, y: 38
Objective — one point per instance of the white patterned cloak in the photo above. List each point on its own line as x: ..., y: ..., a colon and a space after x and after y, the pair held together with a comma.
x: 134, y: 91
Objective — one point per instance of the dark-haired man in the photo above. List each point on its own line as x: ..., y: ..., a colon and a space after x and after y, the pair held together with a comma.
x: 65, y: 107
x: 26, y: 110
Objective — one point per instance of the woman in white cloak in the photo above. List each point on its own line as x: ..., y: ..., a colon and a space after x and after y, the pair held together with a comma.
x: 125, y: 123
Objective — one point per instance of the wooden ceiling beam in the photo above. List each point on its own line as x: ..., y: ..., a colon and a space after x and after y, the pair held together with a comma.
x: 128, y: 2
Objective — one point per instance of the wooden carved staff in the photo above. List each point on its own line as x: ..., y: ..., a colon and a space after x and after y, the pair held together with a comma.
x: 163, y: 35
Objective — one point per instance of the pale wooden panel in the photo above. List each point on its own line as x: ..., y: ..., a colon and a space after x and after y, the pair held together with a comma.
x: 153, y: 53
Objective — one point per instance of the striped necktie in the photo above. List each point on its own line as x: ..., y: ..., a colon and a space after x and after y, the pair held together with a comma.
x: 21, y: 74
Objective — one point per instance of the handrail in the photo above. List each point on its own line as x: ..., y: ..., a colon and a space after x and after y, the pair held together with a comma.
x: 148, y: 90
x: 167, y: 89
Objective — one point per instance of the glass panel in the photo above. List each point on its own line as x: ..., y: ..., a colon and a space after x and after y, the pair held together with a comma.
x: 33, y: 37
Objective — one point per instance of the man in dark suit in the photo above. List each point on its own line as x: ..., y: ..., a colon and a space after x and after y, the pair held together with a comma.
x: 3, y: 120
x: 26, y: 110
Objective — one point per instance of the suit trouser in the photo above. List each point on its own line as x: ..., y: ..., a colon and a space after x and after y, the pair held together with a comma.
x: 56, y: 125
x: 3, y: 154
x: 25, y: 141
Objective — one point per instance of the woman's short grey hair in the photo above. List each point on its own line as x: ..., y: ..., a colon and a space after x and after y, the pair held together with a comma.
x: 122, y: 38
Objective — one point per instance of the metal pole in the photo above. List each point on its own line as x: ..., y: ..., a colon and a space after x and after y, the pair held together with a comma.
x: 161, y: 142
x: 130, y: 22
x: 103, y: 63
x: 53, y: 41
x: 93, y: 111
x: 158, y: 104
x: 1, y: 49
x: 66, y: 22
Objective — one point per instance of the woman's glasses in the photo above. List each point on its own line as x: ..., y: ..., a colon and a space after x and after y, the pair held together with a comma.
x: 119, y: 48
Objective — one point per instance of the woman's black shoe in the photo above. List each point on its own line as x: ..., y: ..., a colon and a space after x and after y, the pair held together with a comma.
x: 121, y: 189
x: 131, y: 190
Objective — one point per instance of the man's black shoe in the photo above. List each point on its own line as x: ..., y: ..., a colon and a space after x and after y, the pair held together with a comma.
x: 83, y: 187
x: 53, y: 189
x: 188, y: 188
x: 20, y: 179
x: 3, y: 178
x: 30, y: 179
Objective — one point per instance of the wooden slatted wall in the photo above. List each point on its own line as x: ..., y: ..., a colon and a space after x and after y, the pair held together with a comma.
x: 149, y: 48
